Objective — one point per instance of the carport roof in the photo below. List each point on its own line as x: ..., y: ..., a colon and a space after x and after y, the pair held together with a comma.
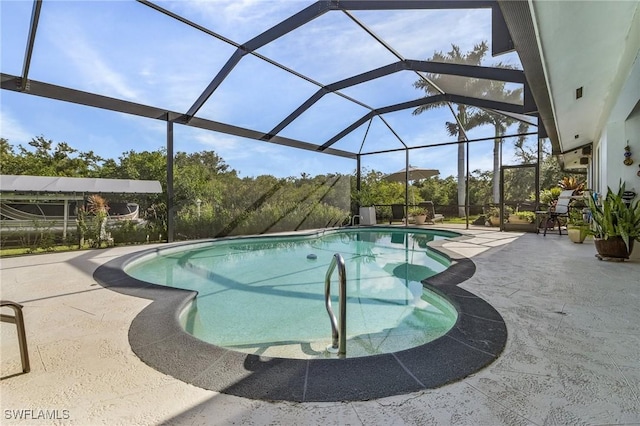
x: 67, y: 185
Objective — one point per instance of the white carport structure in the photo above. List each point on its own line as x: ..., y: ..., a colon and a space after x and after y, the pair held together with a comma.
x: 66, y: 189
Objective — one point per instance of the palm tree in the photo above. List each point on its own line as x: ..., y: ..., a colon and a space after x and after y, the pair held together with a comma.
x: 466, y: 117
x: 495, y: 90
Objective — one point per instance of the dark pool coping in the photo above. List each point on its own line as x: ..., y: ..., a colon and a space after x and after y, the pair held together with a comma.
x: 158, y: 339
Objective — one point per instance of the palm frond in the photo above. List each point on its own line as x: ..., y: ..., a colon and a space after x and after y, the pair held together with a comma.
x: 452, y: 128
x: 426, y: 107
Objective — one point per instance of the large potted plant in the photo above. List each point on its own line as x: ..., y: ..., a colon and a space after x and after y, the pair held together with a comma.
x: 615, y: 225
x: 522, y: 217
x: 419, y: 214
x: 366, y: 210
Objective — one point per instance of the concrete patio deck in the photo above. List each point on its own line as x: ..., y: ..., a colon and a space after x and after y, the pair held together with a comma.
x: 572, y: 354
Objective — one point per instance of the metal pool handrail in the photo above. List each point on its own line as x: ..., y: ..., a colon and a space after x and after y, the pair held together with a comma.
x: 338, y: 332
x: 18, y: 320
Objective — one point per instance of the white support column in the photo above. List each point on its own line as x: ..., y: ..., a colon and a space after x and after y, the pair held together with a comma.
x: 65, y: 220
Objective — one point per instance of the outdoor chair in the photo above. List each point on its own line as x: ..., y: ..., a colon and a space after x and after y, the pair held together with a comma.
x: 433, y: 216
x: 397, y: 213
x: 554, y: 214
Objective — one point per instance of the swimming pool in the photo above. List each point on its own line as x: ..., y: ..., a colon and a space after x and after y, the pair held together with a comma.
x: 157, y: 336
x: 266, y: 295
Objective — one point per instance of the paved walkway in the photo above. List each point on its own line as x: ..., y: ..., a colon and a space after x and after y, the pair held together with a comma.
x: 572, y: 355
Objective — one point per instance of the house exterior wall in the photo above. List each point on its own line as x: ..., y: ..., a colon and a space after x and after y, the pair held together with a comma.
x: 632, y: 133
x: 622, y: 128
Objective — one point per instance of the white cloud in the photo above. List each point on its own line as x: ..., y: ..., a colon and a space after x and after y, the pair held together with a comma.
x: 89, y: 62
x: 232, y: 148
x: 417, y: 34
x: 12, y: 130
x: 238, y: 20
x: 100, y: 74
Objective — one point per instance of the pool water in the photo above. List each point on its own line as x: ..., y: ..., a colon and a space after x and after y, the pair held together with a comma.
x: 266, y: 295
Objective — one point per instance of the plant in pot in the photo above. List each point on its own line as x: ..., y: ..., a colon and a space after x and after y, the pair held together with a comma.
x: 549, y: 198
x: 615, y: 225
x: 494, y: 214
x: 364, y: 206
x: 577, y: 228
x: 522, y: 217
x: 420, y: 215
x: 570, y: 182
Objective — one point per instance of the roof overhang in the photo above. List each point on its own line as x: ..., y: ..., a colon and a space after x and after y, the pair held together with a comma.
x: 576, y: 57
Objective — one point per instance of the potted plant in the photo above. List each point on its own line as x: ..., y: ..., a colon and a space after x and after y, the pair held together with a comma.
x: 615, y: 225
x: 549, y: 197
x: 577, y: 227
x: 524, y: 217
x: 366, y: 209
x: 570, y: 182
x: 419, y: 215
x: 494, y: 215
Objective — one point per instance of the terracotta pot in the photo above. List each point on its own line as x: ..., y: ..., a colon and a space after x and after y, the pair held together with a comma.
x: 613, y: 247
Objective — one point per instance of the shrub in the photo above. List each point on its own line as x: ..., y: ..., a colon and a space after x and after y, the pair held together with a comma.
x: 269, y: 217
x: 550, y: 196
x: 128, y: 231
x: 530, y: 217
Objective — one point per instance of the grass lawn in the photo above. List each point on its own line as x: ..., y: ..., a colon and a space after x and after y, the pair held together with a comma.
x: 461, y: 220
x: 17, y: 251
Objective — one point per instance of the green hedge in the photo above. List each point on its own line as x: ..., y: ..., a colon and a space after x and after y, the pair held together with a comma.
x: 268, y: 218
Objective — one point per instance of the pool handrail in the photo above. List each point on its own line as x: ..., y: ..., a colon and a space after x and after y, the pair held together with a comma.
x: 338, y: 331
x: 18, y: 320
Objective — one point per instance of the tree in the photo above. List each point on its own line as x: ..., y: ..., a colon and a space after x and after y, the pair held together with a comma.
x: 466, y: 117
x: 46, y: 158
x: 495, y: 90
x: 147, y: 165
x: 9, y: 161
x: 442, y: 192
x: 480, y: 187
x: 200, y: 176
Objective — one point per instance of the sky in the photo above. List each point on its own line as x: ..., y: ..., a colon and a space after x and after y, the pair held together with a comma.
x: 127, y: 50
